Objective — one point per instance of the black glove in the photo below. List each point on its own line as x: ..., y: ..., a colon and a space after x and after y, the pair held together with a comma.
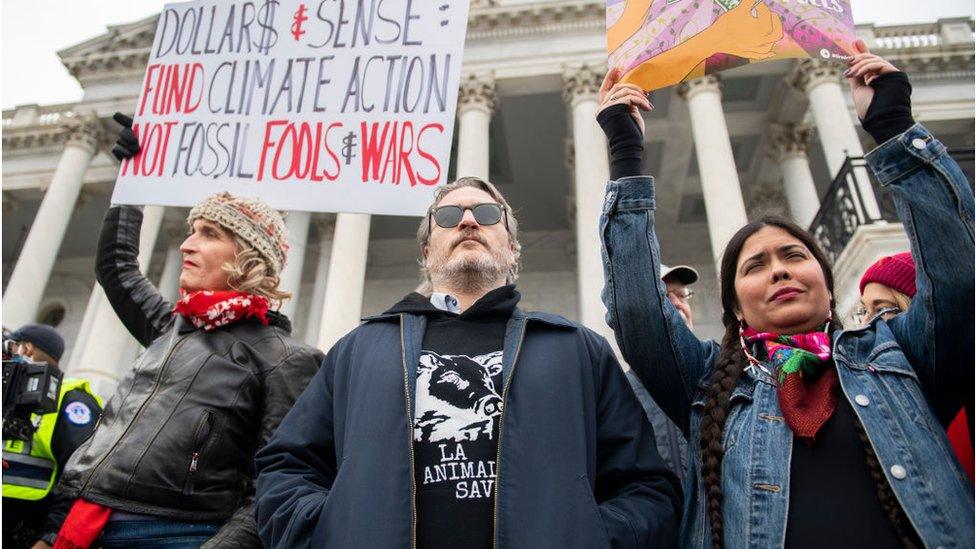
x: 126, y: 145
x: 625, y: 140
x: 890, y: 112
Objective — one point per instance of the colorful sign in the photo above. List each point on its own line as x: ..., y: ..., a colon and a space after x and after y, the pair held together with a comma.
x: 659, y: 43
x: 321, y: 105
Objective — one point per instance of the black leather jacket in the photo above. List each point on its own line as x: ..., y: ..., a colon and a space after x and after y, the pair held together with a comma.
x: 178, y: 437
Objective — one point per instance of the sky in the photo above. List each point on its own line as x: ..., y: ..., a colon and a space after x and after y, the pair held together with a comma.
x: 32, y: 31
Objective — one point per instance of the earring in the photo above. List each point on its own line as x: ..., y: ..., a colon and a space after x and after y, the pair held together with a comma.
x: 742, y: 343
x: 754, y: 363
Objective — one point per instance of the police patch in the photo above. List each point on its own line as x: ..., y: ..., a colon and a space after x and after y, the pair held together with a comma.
x: 78, y: 413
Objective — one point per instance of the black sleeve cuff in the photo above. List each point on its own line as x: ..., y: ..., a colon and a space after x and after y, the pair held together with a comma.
x: 890, y: 112
x: 625, y: 140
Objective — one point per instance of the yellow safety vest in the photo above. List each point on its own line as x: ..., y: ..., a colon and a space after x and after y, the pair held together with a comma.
x: 32, y: 466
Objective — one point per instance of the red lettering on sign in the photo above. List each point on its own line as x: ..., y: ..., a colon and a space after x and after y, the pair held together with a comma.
x: 267, y: 144
x: 429, y: 157
x: 154, y: 144
x: 305, y: 144
x: 174, y: 88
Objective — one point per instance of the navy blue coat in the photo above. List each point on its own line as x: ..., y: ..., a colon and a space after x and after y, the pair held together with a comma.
x: 577, y: 466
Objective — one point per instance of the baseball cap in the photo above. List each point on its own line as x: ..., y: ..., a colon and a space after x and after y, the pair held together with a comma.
x: 681, y: 273
x: 43, y: 337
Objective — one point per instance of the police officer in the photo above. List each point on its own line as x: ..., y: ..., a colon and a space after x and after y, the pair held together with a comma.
x: 31, y: 469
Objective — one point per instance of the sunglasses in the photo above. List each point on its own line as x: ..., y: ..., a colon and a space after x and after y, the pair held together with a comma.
x: 448, y: 217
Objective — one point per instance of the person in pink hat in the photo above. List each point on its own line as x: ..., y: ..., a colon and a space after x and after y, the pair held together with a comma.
x: 887, y: 288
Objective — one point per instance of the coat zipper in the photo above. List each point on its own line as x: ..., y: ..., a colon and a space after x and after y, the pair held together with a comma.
x: 200, y: 437
x: 159, y: 377
x: 413, y: 472
x: 501, y: 429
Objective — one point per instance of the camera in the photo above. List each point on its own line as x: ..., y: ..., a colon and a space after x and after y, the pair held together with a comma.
x: 28, y: 388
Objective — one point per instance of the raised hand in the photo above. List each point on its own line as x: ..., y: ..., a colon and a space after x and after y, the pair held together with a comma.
x: 126, y: 144
x: 749, y: 30
x: 862, y: 70
x: 612, y: 92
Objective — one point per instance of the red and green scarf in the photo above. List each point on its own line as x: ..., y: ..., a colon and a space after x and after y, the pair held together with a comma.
x: 210, y: 309
x: 806, y: 374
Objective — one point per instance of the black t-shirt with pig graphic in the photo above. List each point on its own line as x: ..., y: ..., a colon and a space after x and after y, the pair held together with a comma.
x: 457, y: 411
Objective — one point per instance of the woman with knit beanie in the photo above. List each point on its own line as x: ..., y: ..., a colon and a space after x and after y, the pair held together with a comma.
x: 801, y: 433
x: 887, y: 289
x: 170, y: 464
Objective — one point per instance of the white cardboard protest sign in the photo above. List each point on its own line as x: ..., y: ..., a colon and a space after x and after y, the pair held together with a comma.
x: 315, y: 105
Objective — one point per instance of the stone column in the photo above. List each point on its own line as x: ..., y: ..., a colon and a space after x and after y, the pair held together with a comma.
x: 325, y: 227
x: 788, y: 145
x: 476, y: 102
x: 291, y: 275
x: 724, y: 207
x: 86, y: 321
x: 152, y: 222
x: 592, y: 170
x: 343, y: 301
x: 820, y: 80
x: 106, y: 345
x: 28, y: 281
x: 169, y: 280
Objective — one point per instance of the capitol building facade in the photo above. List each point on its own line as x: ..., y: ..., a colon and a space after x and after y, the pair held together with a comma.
x: 775, y: 137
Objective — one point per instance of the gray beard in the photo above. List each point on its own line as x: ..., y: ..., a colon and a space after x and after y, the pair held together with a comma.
x: 469, y: 276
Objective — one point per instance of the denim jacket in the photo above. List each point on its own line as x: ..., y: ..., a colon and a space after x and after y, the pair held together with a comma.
x: 903, y: 378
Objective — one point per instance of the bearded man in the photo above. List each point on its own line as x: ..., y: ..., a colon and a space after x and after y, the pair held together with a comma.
x: 455, y: 419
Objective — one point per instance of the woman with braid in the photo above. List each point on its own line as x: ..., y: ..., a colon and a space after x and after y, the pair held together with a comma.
x: 803, y: 434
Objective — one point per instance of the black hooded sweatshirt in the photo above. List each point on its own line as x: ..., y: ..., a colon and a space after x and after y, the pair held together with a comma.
x: 457, y: 412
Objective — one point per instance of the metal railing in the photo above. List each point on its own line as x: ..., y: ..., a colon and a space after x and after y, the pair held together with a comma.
x: 843, y: 208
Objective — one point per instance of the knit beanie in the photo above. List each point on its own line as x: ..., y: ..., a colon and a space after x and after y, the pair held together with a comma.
x: 251, y: 219
x: 894, y: 271
x: 43, y: 337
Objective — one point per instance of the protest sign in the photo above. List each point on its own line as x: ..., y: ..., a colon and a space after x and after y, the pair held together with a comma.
x: 327, y: 105
x: 658, y: 43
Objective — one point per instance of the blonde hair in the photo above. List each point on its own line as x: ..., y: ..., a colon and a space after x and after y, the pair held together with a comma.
x: 423, y: 232
x: 250, y: 272
x: 902, y: 300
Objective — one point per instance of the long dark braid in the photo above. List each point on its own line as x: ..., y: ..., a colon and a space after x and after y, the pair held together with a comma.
x: 728, y: 369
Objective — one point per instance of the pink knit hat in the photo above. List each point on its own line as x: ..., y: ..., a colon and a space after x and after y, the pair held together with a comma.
x: 894, y: 271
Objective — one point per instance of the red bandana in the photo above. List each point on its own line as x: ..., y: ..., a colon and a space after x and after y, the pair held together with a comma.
x: 210, y: 309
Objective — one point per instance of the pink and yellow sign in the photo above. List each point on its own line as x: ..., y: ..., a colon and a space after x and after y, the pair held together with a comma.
x: 659, y: 43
